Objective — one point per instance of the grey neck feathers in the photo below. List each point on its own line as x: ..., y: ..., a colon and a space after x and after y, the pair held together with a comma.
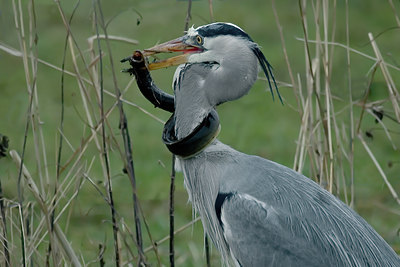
x: 191, y: 103
x: 195, y: 169
x: 201, y: 86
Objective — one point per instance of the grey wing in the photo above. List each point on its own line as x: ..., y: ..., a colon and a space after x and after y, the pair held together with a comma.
x: 279, y: 217
x: 256, y: 235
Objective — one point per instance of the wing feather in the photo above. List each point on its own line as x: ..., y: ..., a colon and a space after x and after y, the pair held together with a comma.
x: 256, y: 237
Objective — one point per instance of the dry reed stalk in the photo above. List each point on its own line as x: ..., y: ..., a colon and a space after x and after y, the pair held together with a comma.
x: 79, y: 152
x: 394, y: 12
x: 351, y: 115
x: 32, y: 113
x: 3, y: 237
x: 328, y: 149
x: 129, y: 166
x: 83, y: 93
x: 100, y: 85
x: 378, y: 166
x: 31, y: 185
x: 280, y: 29
x: 171, y: 214
x: 177, y: 231
x: 17, y: 53
x: 392, y: 90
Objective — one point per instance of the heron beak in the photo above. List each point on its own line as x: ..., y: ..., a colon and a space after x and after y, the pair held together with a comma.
x: 176, y: 45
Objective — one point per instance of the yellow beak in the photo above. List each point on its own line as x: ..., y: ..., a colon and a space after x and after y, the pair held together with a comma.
x: 176, y: 45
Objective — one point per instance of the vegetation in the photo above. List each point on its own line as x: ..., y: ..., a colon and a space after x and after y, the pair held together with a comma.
x: 68, y: 192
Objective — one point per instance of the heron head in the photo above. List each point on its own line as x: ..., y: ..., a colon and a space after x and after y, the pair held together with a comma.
x: 229, y: 54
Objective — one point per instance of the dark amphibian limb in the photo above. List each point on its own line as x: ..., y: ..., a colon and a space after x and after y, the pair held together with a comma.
x: 155, y: 95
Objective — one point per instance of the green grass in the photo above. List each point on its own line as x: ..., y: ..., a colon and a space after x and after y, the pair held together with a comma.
x: 254, y: 124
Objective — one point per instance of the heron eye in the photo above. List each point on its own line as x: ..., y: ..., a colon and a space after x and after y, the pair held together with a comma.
x: 199, y: 39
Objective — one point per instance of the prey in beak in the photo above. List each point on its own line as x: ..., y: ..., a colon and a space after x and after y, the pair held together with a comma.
x: 176, y: 45
x: 140, y: 68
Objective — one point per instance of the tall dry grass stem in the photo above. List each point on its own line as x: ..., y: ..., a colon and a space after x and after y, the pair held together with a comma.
x: 326, y: 140
x: 96, y: 5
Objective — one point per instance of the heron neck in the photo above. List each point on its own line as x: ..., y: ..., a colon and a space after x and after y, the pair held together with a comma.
x: 186, y: 120
x: 191, y: 103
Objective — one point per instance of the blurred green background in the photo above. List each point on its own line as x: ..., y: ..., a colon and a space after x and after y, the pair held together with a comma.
x: 254, y: 124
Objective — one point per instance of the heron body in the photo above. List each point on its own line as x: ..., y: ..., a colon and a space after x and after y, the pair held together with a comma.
x: 275, y: 216
x: 256, y: 212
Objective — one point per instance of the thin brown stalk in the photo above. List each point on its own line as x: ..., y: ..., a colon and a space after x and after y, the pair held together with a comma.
x: 153, y: 243
x: 67, y: 249
x: 210, y: 7
x: 329, y: 107
x: 74, y: 41
x: 14, y: 52
x: 102, y: 248
x: 363, y: 55
x: 19, y: 26
x: 105, y: 150
x: 385, y: 129
x: 393, y: 93
x: 4, y: 239
x: 188, y: 15
x: 111, y: 38
x: 312, y: 80
x: 379, y: 168
x: 280, y: 29
x: 207, y: 248
x: 177, y: 231
x: 394, y: 12
x: 59, y: 152
x: 171, y: 214
x: 365, y: 98
x: 351, y: 111
x: 129, y: 166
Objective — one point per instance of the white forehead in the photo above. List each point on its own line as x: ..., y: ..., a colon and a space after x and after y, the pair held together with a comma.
x: 192, y: 31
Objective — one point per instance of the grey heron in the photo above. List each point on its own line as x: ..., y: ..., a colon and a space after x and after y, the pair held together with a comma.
x: 256, y: 212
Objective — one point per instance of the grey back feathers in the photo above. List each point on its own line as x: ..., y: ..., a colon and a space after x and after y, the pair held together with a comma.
x: 263, y: 214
